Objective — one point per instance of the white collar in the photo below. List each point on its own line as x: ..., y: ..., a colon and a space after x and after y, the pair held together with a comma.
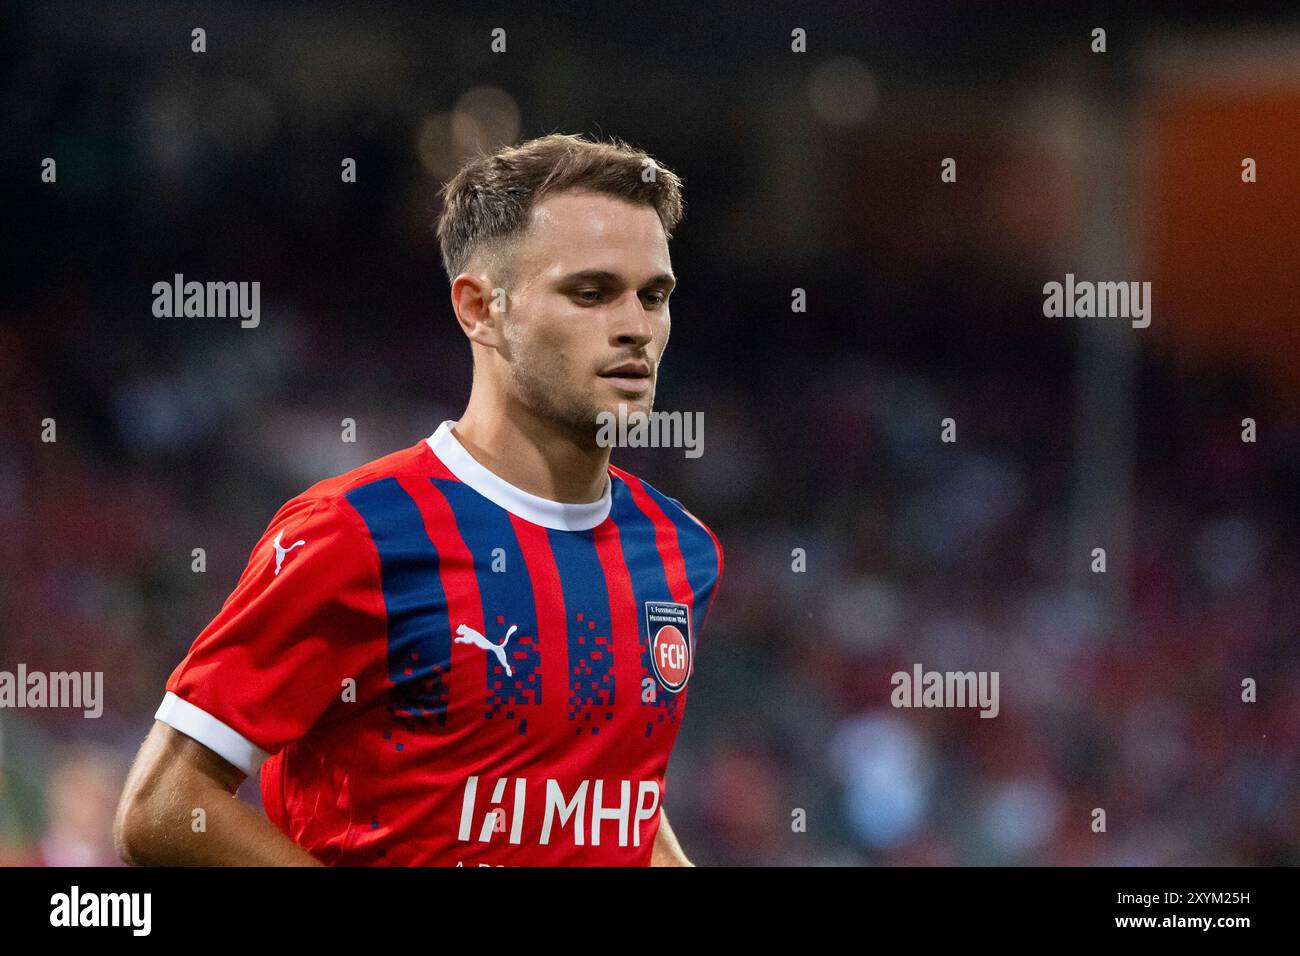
x: 557, y: 515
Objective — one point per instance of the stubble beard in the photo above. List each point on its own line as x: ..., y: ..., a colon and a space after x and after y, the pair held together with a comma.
x: 543, y: 383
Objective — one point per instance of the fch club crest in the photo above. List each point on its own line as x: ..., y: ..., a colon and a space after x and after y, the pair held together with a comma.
x: 668, y: 628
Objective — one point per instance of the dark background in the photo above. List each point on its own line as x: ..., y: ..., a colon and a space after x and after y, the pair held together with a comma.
x: 817, y: 171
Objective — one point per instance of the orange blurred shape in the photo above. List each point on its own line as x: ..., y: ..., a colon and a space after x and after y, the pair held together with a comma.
x: 1223, y: 254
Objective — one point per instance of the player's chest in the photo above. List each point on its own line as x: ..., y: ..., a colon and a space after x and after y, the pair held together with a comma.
x: 546, y: 636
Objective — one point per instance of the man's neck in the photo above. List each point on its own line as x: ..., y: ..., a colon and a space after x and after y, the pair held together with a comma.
x: 533, y: 454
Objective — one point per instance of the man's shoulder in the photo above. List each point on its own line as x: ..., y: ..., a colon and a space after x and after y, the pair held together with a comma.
x: 414, y: 461
x: 673, y: 509
x: 700, y: 548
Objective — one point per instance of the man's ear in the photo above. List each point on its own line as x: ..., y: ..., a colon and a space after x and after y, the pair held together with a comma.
x: 479, y: 308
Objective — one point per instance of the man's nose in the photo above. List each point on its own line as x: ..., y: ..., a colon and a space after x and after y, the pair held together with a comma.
x: 632, y: 324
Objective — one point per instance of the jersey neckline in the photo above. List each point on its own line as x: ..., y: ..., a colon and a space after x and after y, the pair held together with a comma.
x: 556, y: 515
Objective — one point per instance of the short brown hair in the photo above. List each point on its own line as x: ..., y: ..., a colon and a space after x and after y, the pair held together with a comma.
x: 487, y: 203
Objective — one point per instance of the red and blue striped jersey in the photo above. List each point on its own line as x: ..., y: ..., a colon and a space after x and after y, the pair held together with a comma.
x: 433, y: 667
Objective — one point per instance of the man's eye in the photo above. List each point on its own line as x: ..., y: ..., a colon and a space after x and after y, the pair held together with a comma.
x: 655, y: 298
x: 588, y: 295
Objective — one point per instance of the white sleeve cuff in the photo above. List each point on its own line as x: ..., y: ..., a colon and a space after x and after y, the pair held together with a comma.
x: 212, y: 733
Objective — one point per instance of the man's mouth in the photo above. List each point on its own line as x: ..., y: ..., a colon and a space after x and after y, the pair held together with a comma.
x: 632, y: 377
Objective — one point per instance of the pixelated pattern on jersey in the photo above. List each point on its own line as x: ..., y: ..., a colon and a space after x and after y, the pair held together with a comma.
x: 419, y: 634
x: 507, y: 599
x: 523, y: 685
x: 590, y: 647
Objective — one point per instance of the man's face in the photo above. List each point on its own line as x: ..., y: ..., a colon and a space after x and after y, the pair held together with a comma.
x: 588, y: 316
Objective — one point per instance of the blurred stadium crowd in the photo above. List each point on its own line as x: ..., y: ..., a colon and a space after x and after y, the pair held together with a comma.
x: 1119, y: 691
x: 917, y: 551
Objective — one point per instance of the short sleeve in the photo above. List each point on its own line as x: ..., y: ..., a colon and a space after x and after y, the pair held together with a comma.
x: 716, y: 581
x: 303, y: 618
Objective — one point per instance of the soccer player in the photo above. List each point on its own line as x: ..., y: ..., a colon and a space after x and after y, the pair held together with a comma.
x: 474, y: 650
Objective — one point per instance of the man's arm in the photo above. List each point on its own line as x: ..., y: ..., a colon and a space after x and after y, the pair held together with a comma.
x: 667, y: 851
x: 173, y: 776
